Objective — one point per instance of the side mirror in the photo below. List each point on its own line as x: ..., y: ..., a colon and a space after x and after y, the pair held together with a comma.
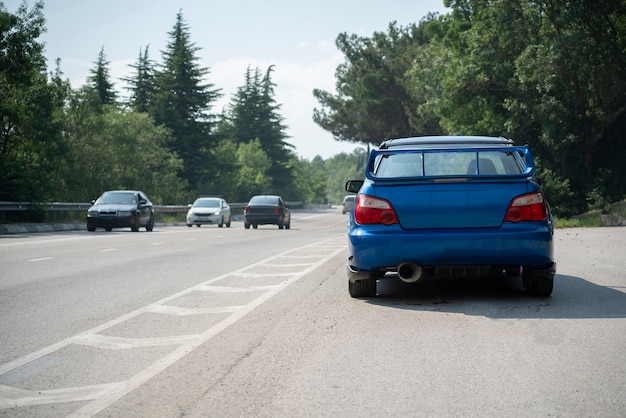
x: 143, y: 202
x: 353, y: 186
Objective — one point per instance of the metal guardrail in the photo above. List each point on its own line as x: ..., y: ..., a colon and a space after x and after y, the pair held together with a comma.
x: 80, y: 207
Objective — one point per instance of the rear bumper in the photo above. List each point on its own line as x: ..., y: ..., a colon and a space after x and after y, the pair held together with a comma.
x: 262, y: 219
x: 381, y: 247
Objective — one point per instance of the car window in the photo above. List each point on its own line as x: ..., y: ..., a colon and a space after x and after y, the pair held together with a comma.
x: 448, y: 163
x: 265, y: 200
x: 400, y: 165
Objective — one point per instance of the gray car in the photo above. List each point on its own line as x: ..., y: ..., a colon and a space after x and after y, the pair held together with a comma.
x: 209, y: 211
x: 121, y: 209
x: 347, y: 204
x: 266, y: 209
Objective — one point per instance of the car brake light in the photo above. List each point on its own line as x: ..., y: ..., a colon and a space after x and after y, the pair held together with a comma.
x: 528, y: 207
x: 246, y: 209
x: 277, y: 210
x: 372, y: 210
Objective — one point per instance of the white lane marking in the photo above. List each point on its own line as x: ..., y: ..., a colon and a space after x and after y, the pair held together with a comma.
x: 251, y: 275
x: 157, y: 243
x: 108, y: 250
x: 175, y: 310
x: 120, y: 343
x: 288, y: 265
x: 15, y: 398
x: 226, y: 289
x: 114, y: 391
x: 117, y: 392
x: 41, y: 259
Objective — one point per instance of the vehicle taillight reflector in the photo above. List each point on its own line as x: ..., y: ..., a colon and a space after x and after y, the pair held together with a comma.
x: 372, y: 210
x: 276, y: 210
x: 528, y: 207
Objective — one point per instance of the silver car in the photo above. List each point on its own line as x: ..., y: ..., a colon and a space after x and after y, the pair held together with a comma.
x: 347, y: 204
x: 209, y: 211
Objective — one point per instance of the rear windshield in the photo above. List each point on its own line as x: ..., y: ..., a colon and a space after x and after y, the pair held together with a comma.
x: 264, y: 200
x: 448, y: 163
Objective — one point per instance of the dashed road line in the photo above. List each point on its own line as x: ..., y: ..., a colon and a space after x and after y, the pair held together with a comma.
x: 41, y: 259
x: 102, y: 395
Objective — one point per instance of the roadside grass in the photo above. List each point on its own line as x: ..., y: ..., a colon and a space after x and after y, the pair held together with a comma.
x: 587, y: 222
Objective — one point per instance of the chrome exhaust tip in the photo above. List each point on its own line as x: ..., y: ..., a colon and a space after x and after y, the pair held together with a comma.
x: 409, y: 272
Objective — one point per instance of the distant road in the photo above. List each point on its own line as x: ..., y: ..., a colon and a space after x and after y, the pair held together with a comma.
x: 231, y: 322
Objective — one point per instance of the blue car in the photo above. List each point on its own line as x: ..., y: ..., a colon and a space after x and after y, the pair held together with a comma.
x: 449, y: 207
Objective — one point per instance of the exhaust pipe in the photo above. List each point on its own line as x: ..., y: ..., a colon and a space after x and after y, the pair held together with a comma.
x: 409, y: 272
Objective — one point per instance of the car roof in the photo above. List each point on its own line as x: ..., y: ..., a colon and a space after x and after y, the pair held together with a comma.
x: 121, y: 191
x: 266, y: 195
x: 445, y: 142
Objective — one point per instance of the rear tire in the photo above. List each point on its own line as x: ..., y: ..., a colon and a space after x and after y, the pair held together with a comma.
x: 537, y: 286
x: 362, y: 288
x: 362, y: 284
x: 246, y: 225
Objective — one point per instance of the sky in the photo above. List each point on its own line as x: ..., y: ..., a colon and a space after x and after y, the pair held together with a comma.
x: 297, y: 37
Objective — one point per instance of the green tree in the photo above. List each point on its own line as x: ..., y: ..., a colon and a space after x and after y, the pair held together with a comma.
x: 254, y: 114
x: 141, y: 84
x: 551, y: 74
x: 31, y: 144
x: 100, y: 80
x: 252, y: 176
x: 115, y: 148
x: 373, y: 101
x: 341, y: 168
x: 182, y: 102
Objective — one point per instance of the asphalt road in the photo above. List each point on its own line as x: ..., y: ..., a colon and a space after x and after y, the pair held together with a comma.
x: 227, y: 322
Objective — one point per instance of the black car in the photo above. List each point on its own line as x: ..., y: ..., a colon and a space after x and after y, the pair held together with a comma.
x: 121, y: 209
x: 264, y: 210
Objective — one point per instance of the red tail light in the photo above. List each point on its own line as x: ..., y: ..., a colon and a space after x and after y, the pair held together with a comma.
x: 246, y: 209
x: 372, y: 210
x: 276, y: 210
x: 527, y: 207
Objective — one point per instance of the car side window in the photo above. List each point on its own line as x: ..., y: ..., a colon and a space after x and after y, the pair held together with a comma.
x: 400, y: 165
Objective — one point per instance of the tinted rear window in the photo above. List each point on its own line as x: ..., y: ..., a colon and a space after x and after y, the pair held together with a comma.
x: 448, y: 163
x: 264, y: 200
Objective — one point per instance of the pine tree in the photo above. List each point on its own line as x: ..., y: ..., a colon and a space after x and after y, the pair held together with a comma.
x: 182, y: 102
x: 141, y: 84
x: 100, y: 80
x: 253, y: 114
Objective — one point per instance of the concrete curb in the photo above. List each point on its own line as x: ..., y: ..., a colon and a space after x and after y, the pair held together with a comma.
x: 31, y: 228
